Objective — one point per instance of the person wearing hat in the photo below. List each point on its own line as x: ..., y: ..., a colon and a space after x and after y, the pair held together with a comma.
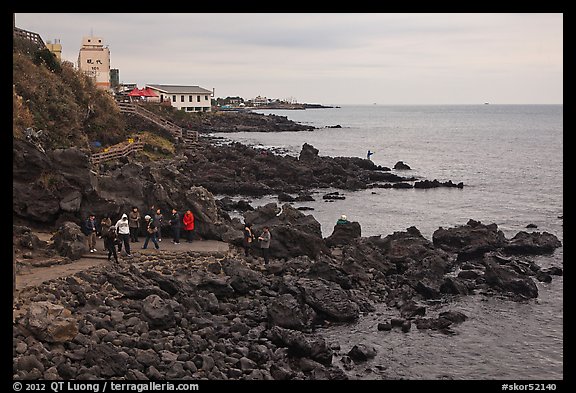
x: 151, y: 231
x: 342, y: 220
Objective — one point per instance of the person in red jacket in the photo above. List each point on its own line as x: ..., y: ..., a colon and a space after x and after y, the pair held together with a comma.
x: 188, y: 221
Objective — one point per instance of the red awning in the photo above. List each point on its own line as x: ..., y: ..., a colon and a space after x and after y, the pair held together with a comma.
x: 147, y: 92
x: 135, y: 93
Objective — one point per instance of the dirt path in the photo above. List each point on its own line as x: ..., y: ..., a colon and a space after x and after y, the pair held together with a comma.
x: 37, y: 275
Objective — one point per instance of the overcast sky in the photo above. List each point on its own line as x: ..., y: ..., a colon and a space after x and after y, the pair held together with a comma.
x: 331, y: 59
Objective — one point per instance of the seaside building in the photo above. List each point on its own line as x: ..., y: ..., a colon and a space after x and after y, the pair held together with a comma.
x: 259, y: 101
x: 94, y: 61
x: 55, y: 48
x: 186, y: 98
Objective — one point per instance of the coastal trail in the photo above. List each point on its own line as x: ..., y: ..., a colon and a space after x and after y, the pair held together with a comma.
x: 34, y: 276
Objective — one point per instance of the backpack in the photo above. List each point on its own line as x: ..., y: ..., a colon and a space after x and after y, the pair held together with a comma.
x: 151, y: 227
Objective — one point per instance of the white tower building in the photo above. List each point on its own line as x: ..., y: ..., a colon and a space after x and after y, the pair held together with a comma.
x: 94, y: 61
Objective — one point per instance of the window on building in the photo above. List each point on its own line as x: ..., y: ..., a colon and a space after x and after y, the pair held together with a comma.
x: 181, y: 98
x: 205, y: 98
x: 173, y: 98
x: 197, y: 98
x: 189, y: 98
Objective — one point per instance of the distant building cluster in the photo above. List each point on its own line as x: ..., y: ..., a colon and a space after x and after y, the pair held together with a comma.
x: 94, y: 61
x: 257, y: 102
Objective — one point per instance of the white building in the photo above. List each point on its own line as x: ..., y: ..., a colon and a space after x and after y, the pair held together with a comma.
x: 94, y: 61
x: 258, y: 101
x: 186, y: 98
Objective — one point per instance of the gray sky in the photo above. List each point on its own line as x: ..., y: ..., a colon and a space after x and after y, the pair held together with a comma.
x: 332, y: 59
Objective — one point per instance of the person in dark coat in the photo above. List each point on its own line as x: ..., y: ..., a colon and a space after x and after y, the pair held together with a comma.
x: 134, y: 224
x: 90, y: 230
x: 151, y: 232
x: 175, y: 223
x: 158, y: 218
x: 110, y: 240
x: 248, y: 238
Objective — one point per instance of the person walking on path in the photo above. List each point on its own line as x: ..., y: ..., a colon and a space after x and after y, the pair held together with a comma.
x: 248, y: 238
x: 158, y: 218
x: 123, y: 231
x: 175, y: 224
x: 265, y: 238
x: 369, y: 154
x: 151, y: 231
x: 110, y: 242
x: 134, y: 224
x: 90, y: 231
x: 188, y: 221
x: 105, y: 225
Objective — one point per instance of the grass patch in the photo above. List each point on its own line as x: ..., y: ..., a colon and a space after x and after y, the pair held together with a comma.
x: 156, y: 146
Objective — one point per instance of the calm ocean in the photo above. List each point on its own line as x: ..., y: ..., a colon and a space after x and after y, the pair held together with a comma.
x: 510, y: 159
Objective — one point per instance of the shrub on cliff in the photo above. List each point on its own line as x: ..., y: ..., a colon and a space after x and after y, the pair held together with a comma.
x: 60, y: 100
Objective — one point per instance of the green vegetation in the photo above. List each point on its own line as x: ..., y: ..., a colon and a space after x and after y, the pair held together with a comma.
x: 156, y: 146
x: 60, y: 100
x: 54, y: 97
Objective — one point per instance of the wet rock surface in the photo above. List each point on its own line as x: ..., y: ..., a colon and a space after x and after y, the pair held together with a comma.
x: 172, y: 315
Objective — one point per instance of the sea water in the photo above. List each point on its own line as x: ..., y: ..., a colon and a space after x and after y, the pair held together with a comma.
x: 510, y: 159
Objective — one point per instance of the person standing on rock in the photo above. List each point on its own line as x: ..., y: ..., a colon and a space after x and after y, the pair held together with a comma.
x: 90, y: 231
x: 151, y: 231
x: 123, y: 230
x: 188, y: 221
x: 134, y: 224
x: 248, y: 238
x: 175, y: 224
x: 342, y: 220
x: 158, y: 218
x: 265, y: 243
x: 110, y: 242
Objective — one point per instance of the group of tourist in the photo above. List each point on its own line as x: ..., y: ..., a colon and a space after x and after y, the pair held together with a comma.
x: 130, y: 227
x: 249, y: 241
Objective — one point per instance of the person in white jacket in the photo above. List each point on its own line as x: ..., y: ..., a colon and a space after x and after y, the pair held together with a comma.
x: 123, y: 231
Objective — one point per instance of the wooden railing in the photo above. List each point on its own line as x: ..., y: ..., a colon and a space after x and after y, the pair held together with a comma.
x: 30, y: 36
x: 180, y: 134
x: 117, y: 151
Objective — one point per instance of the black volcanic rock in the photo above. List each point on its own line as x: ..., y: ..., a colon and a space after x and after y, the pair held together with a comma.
x: 343, y: 234
x: 401, y: 165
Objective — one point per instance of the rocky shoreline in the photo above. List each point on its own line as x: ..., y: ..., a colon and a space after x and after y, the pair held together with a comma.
x: 180, y: 315
x: 226, y: 316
